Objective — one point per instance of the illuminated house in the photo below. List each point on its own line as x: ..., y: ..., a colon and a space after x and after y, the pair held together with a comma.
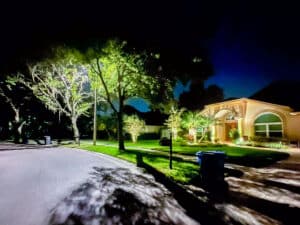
x: 253, y: 118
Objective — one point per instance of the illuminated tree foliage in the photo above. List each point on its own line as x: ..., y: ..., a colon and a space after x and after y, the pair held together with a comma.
x: 61, y: 84
x: 174, y: 121
x: 122, y: 76
x: 134, y: 126
x: 192, y: 121
x: 205, y: 123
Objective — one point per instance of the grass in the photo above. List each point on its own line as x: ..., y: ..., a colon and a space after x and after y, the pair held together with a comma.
x: 183, y: 171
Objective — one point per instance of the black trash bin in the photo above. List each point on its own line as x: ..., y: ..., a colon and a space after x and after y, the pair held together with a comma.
x: 211, y: 167
x: 47, y: 140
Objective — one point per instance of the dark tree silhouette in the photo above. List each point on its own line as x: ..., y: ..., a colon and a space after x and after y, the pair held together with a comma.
x: 283, y: 92
x: 198, y: 96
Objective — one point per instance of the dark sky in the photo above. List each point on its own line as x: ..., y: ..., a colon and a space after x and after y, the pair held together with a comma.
x: 250, y: 43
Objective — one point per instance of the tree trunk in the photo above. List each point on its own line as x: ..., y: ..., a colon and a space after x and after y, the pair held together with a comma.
x: 120, y: 130
x: 195, y: 138
x: 17, y: 126
x: 109, y: 136
x: 203, y: 134
x: 175, y: 134
x: 16, y: 132
x: 75, y: 130
x: 134, y: 138
x: 194, y: 135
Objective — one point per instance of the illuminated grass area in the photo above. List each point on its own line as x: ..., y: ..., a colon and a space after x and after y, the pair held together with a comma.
x: 184, y: 170
x: 239, y: 155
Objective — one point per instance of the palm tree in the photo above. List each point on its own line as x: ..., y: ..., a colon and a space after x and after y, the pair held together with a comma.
x: 194, y: 120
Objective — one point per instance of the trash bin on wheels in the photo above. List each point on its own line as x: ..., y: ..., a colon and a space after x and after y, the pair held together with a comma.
x: 47, y: 140
x: 211, y: 167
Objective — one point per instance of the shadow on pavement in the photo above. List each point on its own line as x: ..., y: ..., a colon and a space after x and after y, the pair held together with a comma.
x: 251, y: 196
x: 120, y: 196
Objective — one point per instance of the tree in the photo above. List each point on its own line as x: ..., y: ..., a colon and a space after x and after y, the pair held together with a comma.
x: 174, y: 121
x: 192, y: 121
x: 61, y: 83
x: 134, y: 126
x: 122, y: 76
x: 108, y: 124
x: 198, y: 96
x: 13, y: 93
x: 204, y: 123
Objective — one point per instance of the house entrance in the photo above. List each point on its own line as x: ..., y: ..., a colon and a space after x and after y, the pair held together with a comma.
x: 228, y: 126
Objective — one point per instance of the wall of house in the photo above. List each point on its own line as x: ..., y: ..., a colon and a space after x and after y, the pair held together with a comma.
x: 293, y: 127
x: 256, y: 108
x: 252, y: 109
x: 152, y: 129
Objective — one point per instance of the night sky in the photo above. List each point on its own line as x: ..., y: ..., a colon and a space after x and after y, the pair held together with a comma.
x: 255, y: 46
x: 249, y: 43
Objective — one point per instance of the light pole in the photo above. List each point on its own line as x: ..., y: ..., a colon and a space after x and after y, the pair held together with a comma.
x: 95, y: 118
x: 170, y: 152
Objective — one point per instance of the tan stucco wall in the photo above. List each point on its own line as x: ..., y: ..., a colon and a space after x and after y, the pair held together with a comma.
x: 293, y: 127
x: 251, y: 109
x: 152, y: 128
x: 254, y: 109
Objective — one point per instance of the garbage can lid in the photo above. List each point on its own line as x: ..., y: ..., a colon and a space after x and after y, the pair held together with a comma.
x: 199, y: 153
x: 215, y: 152
x: 219, y: 152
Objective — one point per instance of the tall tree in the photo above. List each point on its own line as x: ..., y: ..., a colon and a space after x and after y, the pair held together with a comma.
x: 13, y: 93
x: 174, y: 121
x: 181, y: 65
x: 61, y: 83
x: 123, y: 76
x: 198, y: 96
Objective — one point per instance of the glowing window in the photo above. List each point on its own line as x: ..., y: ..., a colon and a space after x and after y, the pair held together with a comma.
x: 268, y: 125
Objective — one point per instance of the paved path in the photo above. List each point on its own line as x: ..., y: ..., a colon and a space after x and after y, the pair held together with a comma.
x: 33, y: 181
x: 36, y: 182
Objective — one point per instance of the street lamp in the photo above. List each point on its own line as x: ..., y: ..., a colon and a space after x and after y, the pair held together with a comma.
x: 170, y: 152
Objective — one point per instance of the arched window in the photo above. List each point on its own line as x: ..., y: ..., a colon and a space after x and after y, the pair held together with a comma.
x: 268, y: 125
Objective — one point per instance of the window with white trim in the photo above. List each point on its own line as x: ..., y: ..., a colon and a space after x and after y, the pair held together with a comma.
x: 268, y: 125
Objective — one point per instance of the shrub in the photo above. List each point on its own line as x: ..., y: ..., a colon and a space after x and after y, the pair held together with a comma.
x: 268, y: 142
x: 149, y: 136
x: 234, y: 134
x: 164, y: 141
x: 266, y: 139
x: 134, y: 125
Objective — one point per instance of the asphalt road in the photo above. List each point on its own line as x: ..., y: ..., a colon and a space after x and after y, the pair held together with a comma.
x: 34, y: 181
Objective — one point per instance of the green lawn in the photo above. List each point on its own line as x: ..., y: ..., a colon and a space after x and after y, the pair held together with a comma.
x: 240, y: 155
x: 184, y: 170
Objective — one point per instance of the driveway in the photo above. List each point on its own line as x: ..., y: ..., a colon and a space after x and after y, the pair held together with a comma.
x: 39, y: 185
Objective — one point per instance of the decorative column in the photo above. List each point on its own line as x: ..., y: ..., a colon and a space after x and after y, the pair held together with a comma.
x: 240, y: 126
x: 213, y: 133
